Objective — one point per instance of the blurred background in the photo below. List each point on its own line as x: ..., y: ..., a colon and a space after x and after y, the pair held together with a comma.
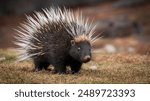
x: 125, y: 23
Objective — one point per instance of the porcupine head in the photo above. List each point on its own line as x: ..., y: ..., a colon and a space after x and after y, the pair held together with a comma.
x: 80, y: 49
x: 82, y: 32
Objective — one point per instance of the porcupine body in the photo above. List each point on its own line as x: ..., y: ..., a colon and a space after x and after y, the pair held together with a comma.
x: 56, y: 37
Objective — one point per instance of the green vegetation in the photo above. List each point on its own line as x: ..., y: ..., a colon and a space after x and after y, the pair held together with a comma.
x: 7, y: 55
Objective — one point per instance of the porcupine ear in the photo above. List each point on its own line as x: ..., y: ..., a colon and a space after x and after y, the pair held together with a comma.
x: 72, y: 42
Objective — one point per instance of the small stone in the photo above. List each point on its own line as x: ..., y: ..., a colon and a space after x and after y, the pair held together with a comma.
x: 110, y: 48
x: 131, y: 49
x: 93, y: 67
x: 2, y: 58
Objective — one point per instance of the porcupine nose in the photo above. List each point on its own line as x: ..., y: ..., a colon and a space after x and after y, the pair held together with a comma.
x: 87, y: 58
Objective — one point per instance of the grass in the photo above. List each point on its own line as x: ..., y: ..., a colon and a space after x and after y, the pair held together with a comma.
x: 9, y: 54
x: 111, y: 68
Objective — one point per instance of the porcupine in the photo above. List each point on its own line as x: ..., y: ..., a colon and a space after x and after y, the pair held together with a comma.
x: 56, y: 37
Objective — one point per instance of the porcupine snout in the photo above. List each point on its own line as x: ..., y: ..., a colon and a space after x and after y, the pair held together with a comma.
x: 87, y: 58
x: 85, y: 54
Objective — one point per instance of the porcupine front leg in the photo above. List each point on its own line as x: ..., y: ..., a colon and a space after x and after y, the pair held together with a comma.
x: 59, y: 67
x: 75, y: 67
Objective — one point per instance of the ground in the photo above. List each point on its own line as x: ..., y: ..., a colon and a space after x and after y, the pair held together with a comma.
x: 104, y: 68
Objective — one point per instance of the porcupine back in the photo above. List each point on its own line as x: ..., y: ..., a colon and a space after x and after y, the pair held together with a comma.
x: 51, y: 31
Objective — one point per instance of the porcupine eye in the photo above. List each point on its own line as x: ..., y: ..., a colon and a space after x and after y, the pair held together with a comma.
x: 79, y: 49
x: 72, y: 42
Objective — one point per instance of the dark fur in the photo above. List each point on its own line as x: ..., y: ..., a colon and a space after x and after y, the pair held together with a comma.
x: 59, y: 52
